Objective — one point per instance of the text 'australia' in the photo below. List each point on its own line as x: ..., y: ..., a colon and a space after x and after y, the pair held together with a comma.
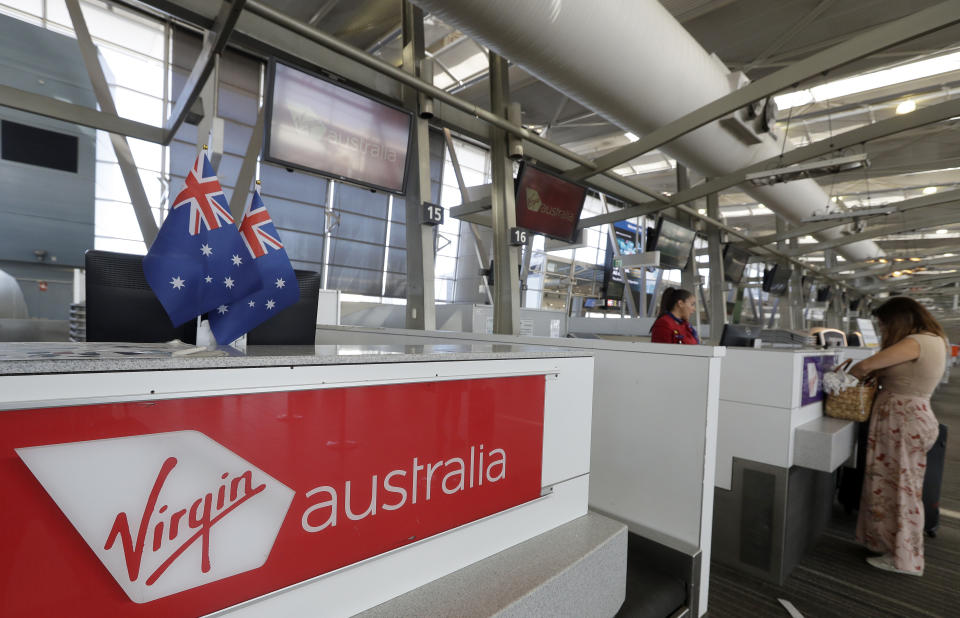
x: 419, y: 482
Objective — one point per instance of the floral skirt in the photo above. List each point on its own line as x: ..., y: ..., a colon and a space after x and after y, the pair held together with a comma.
x: 902, y: 430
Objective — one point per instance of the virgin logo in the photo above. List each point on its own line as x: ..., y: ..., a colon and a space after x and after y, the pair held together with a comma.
x: 199, y: 516
x: 164, y: 512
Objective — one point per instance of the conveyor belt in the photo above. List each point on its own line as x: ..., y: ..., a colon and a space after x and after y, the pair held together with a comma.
x: 834, y: 580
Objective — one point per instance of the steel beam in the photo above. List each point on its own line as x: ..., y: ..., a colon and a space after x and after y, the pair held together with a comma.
x: 238, y: 201
x: 49, y: 107
x: 421, y: 313
x: 128, y: 167
x: 897, y: 124
x: 718, y: 301
x: 923, y: 22
x: 213, y: 43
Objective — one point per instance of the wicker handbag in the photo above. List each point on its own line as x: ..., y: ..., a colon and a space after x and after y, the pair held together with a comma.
x: 853, y: 403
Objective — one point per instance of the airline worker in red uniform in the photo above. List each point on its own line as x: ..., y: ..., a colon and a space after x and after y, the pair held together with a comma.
x: 673, y: 324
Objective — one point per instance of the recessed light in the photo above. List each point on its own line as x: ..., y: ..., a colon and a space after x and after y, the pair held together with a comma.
x: 929, y: 190
x: 907, y: 106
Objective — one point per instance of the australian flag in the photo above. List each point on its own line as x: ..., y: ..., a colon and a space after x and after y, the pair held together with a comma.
x: 280, y: 289
x: 198, y: 261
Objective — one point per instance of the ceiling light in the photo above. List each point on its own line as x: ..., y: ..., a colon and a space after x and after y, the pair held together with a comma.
x: 882, y: 260
x: 897, y: 259
x: 907, y: 106
x: 870, y: 81
x: 929, y: 190
x: 897, y: 273
x: 941, y: 231
x: 916, y: 259
x: 631, y: 136
x: 702, y: 211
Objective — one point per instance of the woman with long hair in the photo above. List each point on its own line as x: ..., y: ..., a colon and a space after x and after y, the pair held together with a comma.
x: 673, y: 321
x: 902, y: 429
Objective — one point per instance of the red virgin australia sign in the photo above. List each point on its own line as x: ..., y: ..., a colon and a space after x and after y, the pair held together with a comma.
x: 183, y: 507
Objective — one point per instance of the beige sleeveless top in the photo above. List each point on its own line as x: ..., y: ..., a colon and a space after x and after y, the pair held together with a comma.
x: 920, y: 376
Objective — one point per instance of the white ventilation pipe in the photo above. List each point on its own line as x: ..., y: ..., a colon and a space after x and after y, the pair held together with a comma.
x: 634, y: 64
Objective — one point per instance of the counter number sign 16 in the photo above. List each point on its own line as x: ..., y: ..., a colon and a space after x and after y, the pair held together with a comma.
x: 518, y: 236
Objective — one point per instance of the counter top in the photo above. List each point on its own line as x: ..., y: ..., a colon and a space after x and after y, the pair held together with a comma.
x: 47, y: 358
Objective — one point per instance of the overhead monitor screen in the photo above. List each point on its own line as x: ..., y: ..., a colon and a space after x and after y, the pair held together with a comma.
x: 674, y: 243
x: 319, y: 126
x: 547, y: 204
x: 626, y: 235
x: 776, y: 281
x: 734, y: 263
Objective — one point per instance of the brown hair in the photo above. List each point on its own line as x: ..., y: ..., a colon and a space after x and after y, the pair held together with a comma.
x: 902, y: 316
x: 670, y: 298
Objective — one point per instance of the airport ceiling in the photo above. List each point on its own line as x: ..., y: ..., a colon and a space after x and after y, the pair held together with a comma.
x: 757, y: 37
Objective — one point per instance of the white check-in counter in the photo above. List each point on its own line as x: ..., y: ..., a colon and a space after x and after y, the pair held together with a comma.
x: 776, y: 454
x: 318, y: 480
x: 652, y: 444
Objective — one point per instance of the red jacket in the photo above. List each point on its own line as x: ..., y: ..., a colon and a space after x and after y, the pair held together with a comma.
x: 669, y: 329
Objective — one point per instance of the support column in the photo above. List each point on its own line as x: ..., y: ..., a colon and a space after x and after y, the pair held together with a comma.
x: 688, y: 275
x: 506, y: 287
x: 785, y: 309
x: 832, y: 317
x: 718, y: 301
x: 421, y: 309
x: 797, y: 301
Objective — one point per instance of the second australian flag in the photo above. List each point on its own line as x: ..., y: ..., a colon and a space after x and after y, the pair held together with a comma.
x: 280, y: 288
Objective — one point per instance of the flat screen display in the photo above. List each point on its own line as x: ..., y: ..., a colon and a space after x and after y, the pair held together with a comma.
x: 319, y: 126
x: 734, y: 263
x: 626, y: 235
x: 776, y: 280
x: 547, y: 204
x: 674, y: 243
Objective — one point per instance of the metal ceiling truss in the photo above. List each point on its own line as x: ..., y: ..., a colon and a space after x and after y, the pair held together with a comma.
x: 856, y: 137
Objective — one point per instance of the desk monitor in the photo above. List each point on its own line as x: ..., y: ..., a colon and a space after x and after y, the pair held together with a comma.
x: 122, y: 307
x: 829, y: 337
x: 854, y: 339
x: 739, y: 335
x: 297, y: 324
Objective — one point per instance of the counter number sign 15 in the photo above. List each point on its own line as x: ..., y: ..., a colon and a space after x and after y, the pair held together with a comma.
x: 432, y: 214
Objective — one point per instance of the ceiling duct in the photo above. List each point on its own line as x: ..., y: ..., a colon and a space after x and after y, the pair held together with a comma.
x: 635, y: 65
